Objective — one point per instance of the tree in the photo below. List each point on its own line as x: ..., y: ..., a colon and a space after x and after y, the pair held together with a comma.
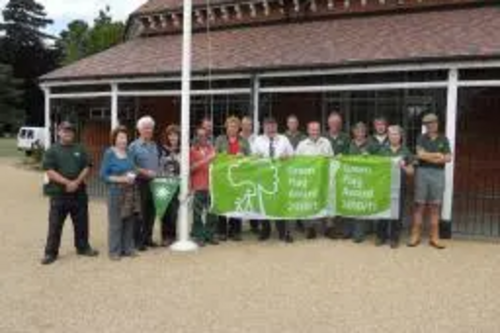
x: 11, y: 113
x: 80, y: 40
x: 24, y: 21
x: 23, y: 46
x: 73, y: 41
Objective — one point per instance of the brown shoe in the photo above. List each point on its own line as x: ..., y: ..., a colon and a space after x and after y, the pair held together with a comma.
x: 415, y: 235
x: 434, y: 237
x: 413, y: 243
x: 437, y: 245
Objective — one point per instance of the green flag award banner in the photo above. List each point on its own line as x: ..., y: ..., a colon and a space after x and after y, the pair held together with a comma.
x: 366, y: 186
x: 163, y: 190
x: 305, y: 187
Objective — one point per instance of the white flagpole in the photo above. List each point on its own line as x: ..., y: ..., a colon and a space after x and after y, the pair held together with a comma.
x: 184, y: 243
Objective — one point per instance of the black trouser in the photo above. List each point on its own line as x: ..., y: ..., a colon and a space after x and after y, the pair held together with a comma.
x: 229, y: 227
x: 281, y: 226
x: 254, y: 225
x: 143, y: 232
x: 389, y: 230
x: 60, y: 207
x: 340, y: 227
x: 169, y: 220
x: 299, y: 224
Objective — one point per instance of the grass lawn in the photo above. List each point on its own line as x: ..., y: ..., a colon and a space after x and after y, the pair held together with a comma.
x: 8, y: 148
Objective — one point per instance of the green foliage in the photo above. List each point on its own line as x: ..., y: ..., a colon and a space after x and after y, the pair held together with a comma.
x: 23, y: 46
x: 24, y: 21
x: 73, y: 41
x: 80, y: 40
x: 11, y: 114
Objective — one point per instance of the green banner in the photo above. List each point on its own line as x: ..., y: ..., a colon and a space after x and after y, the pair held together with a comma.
x: 362, y: 185
x: 260, y: 188
x: 304, y: 187
x: 163, y: 190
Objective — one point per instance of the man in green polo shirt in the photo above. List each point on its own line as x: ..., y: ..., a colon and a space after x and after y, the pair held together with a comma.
x: 433, y: 153
x: 293, y: 133
x: 358, y: 228
x: 379, y: 140
x: 340, y: 141
x: 295, y: 136
x: 67, y: 165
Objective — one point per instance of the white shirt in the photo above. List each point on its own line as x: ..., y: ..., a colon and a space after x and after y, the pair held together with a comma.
x: 251, y: 140
x: 280, y: 143
x: 320, y: 147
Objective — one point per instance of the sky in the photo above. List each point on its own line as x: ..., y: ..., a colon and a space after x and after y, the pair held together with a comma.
x: 65, y: 11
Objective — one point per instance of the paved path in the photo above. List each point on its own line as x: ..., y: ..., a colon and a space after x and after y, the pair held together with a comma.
x: 320, y: 286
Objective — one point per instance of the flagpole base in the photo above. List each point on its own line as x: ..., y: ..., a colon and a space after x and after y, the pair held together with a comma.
x: 184, y: 246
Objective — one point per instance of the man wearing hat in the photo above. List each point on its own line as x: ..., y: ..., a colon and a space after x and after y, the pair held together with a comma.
x: 433, y: 152
x: 273, y: 145
x: 67, y: 165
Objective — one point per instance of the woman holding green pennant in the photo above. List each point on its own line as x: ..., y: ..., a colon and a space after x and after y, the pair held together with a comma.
x: 390, y: 229
x: 118, y: 171
x: 170, y: 159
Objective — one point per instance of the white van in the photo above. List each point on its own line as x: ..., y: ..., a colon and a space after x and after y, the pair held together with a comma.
x: 30, y: 138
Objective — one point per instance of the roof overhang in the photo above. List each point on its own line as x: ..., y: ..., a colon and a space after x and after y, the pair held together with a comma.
x: 413, y: 40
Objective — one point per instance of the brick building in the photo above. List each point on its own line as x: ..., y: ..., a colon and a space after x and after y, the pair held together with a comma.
x: 398, y: 58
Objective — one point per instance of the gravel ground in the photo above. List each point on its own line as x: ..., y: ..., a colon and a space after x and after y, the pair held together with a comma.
x: 320, y: 286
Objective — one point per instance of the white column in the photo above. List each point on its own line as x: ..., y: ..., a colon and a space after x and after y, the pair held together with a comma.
x: 114, y: 106
x: 184, y: 243
x: 47, y: 140
x: 451, y: 127
x: 255, y: 104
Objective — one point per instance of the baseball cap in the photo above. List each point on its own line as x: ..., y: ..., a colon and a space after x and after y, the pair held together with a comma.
x: 66, y: 125
x: 430, y: 118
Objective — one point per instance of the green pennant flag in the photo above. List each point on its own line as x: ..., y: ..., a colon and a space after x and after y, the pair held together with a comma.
x: 163, y: 190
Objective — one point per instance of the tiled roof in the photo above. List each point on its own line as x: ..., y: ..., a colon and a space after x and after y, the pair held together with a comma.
x: 424, y: 36
x: 161, y: 5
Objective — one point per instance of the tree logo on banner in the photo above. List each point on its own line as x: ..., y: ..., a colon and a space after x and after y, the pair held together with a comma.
x: 253, y: 190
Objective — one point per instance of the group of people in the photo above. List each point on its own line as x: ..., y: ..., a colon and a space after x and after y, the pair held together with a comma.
x: 130, y: 168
